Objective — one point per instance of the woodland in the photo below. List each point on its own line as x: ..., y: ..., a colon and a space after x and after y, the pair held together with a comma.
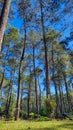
x: 36, y: 62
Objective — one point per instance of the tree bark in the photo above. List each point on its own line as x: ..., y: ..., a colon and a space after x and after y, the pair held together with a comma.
x: 19, y: 81
x: 3, y: 20
x: 2, y: 81
x: 8, y: 101
x: 54, y: 81
x: 47, y: 65
x: 28, y: 101
x: 60, y: 95
x: 60, y: 90
x: 35, y: 80
x: 39, y: 96
x: 67, y: 93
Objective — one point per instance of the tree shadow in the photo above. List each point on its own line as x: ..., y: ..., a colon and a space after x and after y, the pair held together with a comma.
x: 67, y: 125
x: 52, y: 128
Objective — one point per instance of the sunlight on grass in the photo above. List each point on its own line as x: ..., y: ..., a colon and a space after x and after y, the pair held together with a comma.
x: 37, y: 125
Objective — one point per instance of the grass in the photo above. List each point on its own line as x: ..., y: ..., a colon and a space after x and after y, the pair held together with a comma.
x: 37, y: 125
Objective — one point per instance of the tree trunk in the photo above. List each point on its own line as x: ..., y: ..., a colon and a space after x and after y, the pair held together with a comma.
x: 28, y: 101
x: 60, y: 95
x: 8, y: 102
x: 3, y: 20
x: 47, y: 67
x: 2, y: 81
x: 60, y: 91
x: 54, y: 81
x: 57, y: 98
x: 67, y: 93
x: 39, y: 96
x: 19, y: 81
x: 35, y: 80
x: 4, y: 69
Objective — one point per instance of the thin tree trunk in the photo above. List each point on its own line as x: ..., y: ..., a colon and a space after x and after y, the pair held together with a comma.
x: 7, y: 106
x: 39, y: 96
x: 19, y: 81
x: 67, y: 93
x: 9, y: 102
x: 54, y: 80
x: 35, y: 80
x: 28, y: 101
x: 60, y: 92
x: 2, y: 81
x: 57, y: 98
x: 3, y: 20
x: 63, y: 105
x: 21, y: 98
x: 47, y: 65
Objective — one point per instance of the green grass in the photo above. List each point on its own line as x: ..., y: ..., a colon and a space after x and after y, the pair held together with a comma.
x: 37, y: 125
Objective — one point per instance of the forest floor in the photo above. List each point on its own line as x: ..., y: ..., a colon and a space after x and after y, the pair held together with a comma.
x: 37, y: 125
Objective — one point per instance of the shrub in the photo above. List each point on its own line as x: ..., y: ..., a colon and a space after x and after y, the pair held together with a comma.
x: 50, y: 106
x: 3, y: 118
x: 23, y: 114
x: 32, y: 115
x: 42, y: 118
x: 12, y: 118
x: 43, y: 112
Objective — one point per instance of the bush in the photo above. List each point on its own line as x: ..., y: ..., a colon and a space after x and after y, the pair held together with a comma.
x: 50, y: 106
x: 12, y: 118
x: 23, y: 114
x: 43, y: 112
x: 32, y: 115
x: 42, y: 118
x: 3, y: 118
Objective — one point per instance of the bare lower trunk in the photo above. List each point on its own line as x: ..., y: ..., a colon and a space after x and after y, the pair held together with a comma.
x: 39, y: 96
x: 8, y: 102
x: 61, y: 98
x: 60, y: 91
x: 35, y: 80
x: 67, y: 93
x: 19, y: 81
x: 57, y: 98
x: 19, y: 87
x: 1, y: 83
x: 28, y: 101
x: 3, y: 20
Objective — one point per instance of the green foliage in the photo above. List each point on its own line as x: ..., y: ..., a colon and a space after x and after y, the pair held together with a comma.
x: 32, y: 115
x: 50, y: 106
x: 42, y: 118
x: 23, y: 114
x: 43, y: 112
x: 52, y: 35
x: 13, y: 35
x: 3, y: 118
